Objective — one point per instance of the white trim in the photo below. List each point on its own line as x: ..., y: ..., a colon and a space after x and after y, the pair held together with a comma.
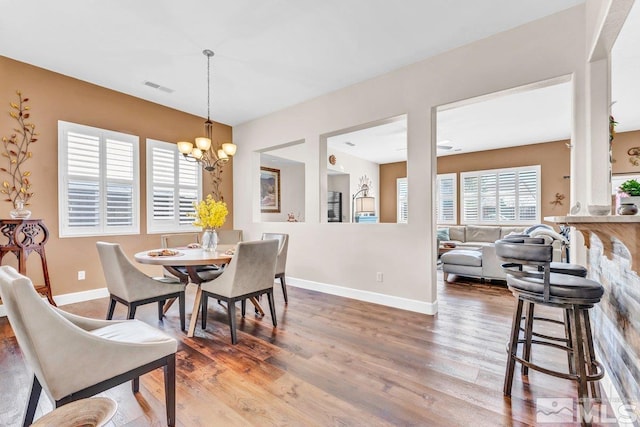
x: 75, y: 297
x: 367, y: 296
x: 72, y: 298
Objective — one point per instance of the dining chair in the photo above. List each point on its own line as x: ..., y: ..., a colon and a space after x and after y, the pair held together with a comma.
x: 250, y: 274
x: 131, y: 287
x: 181, y: 240
x: 74, y: 357
x: 229, y: 237
x: 281, y: 264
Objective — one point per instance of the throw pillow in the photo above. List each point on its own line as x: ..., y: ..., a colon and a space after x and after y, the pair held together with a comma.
x: 535, y: 227
x: 540, y: 232
x: 443, y: 234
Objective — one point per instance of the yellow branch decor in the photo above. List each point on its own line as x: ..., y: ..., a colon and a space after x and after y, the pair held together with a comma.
x: 210, y: 213
x: 17, y: 186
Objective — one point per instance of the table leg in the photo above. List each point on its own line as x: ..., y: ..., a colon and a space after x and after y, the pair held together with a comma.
x: 167, y: 305
x: 194, y: 313
x: 255, y: 302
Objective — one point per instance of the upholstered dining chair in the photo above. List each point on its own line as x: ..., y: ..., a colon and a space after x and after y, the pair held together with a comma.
x: 229, y: 237
x: 131, y: 287
x: 75, y: 357
x: 281, y: 264
x: 250, y: 274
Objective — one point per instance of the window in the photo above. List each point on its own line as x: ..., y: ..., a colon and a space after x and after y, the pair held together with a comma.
x: 99, y: 183
x: 173, y: 184
x: 501, y: 196
x: 447, y: 198
x: 403, y: 205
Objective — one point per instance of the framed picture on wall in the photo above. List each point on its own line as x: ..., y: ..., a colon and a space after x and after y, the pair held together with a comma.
x: 269, y: 190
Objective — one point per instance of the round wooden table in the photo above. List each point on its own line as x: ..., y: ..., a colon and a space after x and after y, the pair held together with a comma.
x: 191, y: 259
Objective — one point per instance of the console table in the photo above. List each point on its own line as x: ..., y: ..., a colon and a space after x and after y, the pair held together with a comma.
x: 25, y: 236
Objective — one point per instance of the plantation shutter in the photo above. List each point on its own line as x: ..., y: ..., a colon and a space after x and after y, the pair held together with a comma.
x: 402, y: 202
x: 446, y: 199
x: 99, y: 181
x: 173, y: 185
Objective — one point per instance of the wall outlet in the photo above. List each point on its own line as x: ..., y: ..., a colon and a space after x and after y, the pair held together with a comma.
x: 378, y: 277
x: 81, y: 275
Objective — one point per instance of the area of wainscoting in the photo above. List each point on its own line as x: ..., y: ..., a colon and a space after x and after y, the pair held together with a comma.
x: 616, y: 319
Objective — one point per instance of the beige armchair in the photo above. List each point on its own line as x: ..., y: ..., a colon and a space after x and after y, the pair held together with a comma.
x: 250, y: 274
x: 131, y: 287
x: 75, y: 357
x: 281, y: 264
x: 229, y: 237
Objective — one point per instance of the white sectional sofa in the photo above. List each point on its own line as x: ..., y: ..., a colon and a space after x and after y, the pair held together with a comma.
x: 475, y: 254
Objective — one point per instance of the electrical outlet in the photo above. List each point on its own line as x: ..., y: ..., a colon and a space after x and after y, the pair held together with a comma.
x: 378, y: 277
x: 81, y: 275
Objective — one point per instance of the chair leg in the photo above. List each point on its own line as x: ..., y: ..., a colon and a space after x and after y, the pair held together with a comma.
x: 132, y: 311
x: 135, y: 384
x: 204, y: 303
x: 284, y: 289
x: 243, y: 306
x: 231, y: 310
x: 567, y: 333
x: 272, y: 308
x: 513, y: 348
x: 181, y: 304
x: 34, y: 396
x: 170, y: 389
x: 160, y: 313
x: 528, y: 332
x: 578, y: 354
x: 591, y: 355
x: 112, y: 307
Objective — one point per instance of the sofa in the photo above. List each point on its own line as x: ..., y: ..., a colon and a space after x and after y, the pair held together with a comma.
x: 475, y: 255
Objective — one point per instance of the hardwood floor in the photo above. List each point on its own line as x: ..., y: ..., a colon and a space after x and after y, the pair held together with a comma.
x: 330, y: 362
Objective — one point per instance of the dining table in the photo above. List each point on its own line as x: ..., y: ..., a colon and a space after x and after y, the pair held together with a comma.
x: 191, y: 259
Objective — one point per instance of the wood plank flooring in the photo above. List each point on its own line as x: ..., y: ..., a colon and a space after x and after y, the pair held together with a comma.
x: 330, y: 362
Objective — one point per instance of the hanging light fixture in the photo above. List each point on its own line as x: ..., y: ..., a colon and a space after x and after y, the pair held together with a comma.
x: 202, y: 152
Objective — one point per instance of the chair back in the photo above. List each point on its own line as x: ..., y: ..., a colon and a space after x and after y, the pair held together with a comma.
x: 229, y: 237
x: 37, y: 327
x: 252, y: 269
x: 526, y: 251
x: 179, y: 239
x: 121, y: 275
x: 283, y: 247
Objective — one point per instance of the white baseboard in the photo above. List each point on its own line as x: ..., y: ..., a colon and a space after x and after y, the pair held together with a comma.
x: 72, y: 298
x: 373, y: 297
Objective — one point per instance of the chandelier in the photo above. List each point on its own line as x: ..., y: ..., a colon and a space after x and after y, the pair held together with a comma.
x: 202, y: 152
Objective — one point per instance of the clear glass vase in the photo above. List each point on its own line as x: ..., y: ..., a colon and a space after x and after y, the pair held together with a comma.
x: 19, y: 211
x: 210, y: 239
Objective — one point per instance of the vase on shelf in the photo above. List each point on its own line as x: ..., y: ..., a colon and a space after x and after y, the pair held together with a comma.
x: 19, y: 211
x: 209, y: 239
x: 627, y: 209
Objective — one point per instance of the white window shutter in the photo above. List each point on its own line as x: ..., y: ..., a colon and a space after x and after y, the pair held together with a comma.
x: 446, y: 199
x: 402, y: 201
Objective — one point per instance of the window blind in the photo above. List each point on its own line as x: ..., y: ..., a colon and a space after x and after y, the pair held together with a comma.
x: 446, y: 199
x: 402, y: 192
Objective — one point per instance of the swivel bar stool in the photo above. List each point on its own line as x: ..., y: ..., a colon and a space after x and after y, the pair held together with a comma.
x: 527, y: 262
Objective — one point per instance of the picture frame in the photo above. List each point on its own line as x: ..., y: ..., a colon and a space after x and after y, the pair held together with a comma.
x: 269, y: 190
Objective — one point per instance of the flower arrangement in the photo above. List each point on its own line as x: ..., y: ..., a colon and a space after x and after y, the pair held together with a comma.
x: 210, y: 214
x: 16, y: 149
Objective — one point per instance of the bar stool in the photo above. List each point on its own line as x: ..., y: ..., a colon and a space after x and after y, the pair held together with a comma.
x: 527, y: 262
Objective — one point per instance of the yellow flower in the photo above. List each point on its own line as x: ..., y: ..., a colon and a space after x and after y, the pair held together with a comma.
x: 209, y: 213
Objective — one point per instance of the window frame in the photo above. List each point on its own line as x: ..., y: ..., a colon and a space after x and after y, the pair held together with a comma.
x: 154, y: 226
x: 102, y: 229
x: 496, y: 173
x: 454, y: 200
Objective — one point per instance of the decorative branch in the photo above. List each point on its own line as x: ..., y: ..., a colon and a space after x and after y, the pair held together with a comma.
x: 16, y: 149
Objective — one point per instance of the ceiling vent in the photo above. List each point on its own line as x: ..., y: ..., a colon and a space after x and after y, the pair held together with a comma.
x: 157, y: 86
x: 350, y: 144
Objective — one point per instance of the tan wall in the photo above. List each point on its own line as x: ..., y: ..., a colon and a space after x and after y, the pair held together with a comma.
x: 56, y: 97
x: 620, y: 146
x: 389, y: 173
x: 553, y: 158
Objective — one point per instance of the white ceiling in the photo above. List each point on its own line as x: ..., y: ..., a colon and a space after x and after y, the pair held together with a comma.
x: 269, y: 54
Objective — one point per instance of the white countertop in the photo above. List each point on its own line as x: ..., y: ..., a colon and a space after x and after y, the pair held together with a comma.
x: 585, y: 219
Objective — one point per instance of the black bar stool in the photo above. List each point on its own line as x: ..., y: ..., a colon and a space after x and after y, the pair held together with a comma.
x: 531, y: 279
